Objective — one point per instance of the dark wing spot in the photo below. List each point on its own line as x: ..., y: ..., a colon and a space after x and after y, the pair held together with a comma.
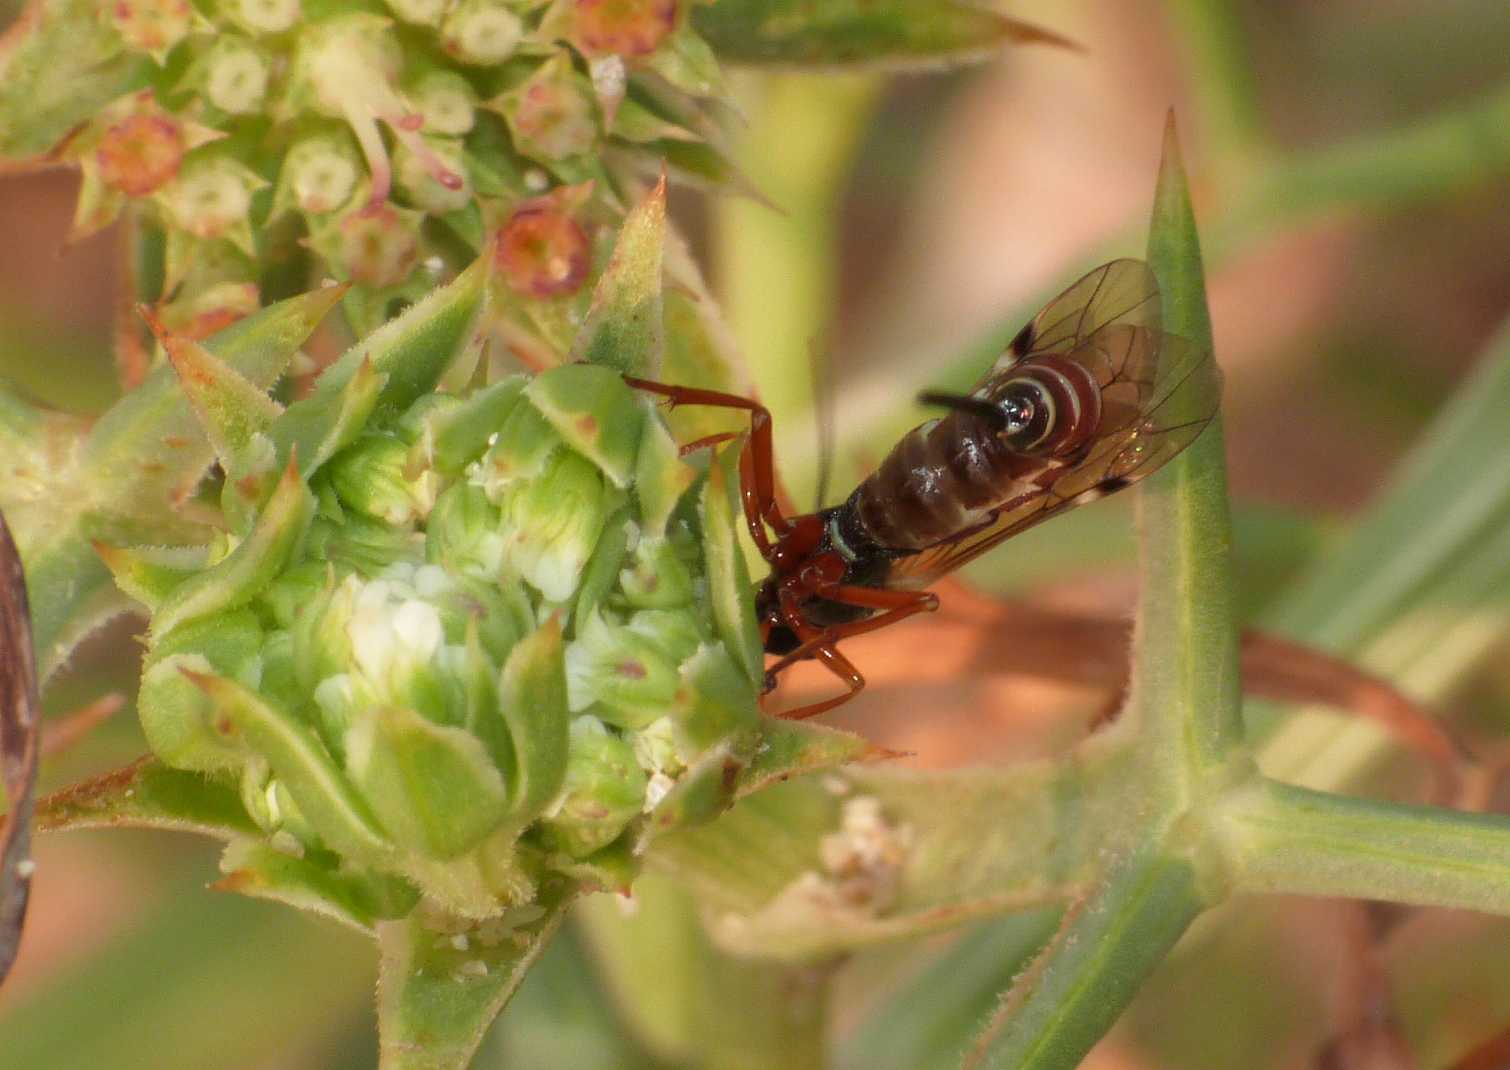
x: 1022, y: 343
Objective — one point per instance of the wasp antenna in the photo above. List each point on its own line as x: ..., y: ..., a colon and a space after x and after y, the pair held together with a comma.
x: 988, y: 412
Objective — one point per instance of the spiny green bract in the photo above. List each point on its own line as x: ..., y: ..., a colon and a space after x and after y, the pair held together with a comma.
x: 382, y: 137
x: 475, y: 648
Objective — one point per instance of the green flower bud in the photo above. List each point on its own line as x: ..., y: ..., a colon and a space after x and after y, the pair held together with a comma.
x: 419, y: 12
x: 604, y: 791
x: 320, y: 174
x: 625, y: 676
x: 446, y: 100
x: 371, y: 478
x: 464, y: 533
x: 212, y: 198
x: 269, y: 804
x: 482, y: 32
x: 262, y: 16
x: 176, y: 715
x: 234, y: 75
x: 553, y: 523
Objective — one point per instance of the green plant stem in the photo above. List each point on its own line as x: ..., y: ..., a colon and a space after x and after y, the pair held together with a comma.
x: 777, y: 263
x: 1281, y: 838
x: 1067, y: 1000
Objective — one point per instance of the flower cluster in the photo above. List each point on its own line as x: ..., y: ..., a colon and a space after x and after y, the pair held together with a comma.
x: 277, y: 141
x: 463, y: 646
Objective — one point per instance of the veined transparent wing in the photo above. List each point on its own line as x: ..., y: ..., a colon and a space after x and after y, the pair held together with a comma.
x: 1123, y: 292
x: 1159, y: 391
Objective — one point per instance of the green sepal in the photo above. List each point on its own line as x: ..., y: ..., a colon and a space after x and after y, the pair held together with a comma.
x: 624, y: 329
x: 532, y: 704
x: 249, y: 568
x: 729, y: 588
x: 905, y: 34
x: 176, y: 716
x: 796, y: 748
x: 318, y: 427
x: 594, y: 412
x: 150, y: 574
x: 433, y: 787
x: 603, y: 569
x: 704, y: 791
x: 453, y: 438
x: 603, y: 792
x: 359, y: 900
x: 462, y: 533
x: 524, y: 443
x: 722, y: 702
x: 661, y: 477
x: 659, y: 577
x: 324, y: 795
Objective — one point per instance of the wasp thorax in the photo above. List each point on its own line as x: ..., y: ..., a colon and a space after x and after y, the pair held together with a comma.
x: 1029, y: 412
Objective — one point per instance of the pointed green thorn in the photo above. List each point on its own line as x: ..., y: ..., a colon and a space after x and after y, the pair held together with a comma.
x: 248, y: 569
x: 231, y: 410
x: 623, y: 328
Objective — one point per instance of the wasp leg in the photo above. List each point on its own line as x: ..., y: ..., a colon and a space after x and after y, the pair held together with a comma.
x: 818, y: 642
x: 841, y: 667
x: 760, y: 492
x: 706, y: 441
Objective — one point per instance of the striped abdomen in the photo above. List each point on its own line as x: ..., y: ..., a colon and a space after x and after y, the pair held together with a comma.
x: 948, y: 476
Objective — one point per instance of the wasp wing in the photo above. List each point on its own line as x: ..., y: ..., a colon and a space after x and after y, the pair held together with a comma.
x: 1123, y: 292
x: 1159, y: 392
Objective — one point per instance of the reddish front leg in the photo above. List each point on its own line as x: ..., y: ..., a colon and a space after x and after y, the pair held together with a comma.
x: 758, y: 487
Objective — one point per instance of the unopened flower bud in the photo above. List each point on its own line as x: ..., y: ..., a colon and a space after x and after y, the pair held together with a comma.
x: 176, y: 715
x: 319, y: 174
x: 419, y: 12
x: 624, y: 676
x: 463, y: 533
x: 371, y: 476
x: 604, y: 791
x: 212, y: 196
x: 262, y: 16
x: 235, y: 76
x: 553, y: 523
x: 481, y: 32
